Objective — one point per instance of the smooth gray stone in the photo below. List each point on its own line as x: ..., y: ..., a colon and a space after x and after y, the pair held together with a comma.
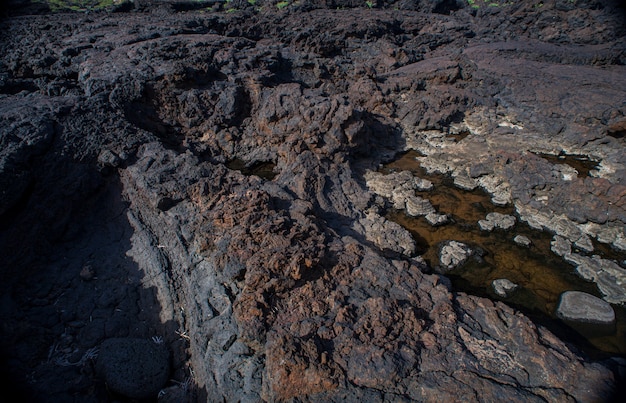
x: 577, y: 306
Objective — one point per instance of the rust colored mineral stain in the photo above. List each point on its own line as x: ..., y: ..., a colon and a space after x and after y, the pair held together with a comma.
x: 541, y: 275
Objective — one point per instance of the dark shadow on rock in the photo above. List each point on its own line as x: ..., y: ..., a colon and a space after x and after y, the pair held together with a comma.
x: 377, y: 142
x: 446, y: 6
x: 144, y: 114
x: 61, y: 301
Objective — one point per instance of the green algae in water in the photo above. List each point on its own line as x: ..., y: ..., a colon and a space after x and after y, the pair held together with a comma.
x: 541, y: 275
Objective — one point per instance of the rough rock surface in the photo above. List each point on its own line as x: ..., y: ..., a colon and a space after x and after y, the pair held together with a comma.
x: 608, y: 275
x: 503, y: 287
x: 522, y: 240
x: 453, y: 254
x: 134, y: 368
x: 496, y: 220
x: 578, y: 306
x: 120, y: 216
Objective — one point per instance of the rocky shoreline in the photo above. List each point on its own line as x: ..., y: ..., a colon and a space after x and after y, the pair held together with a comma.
x: 127, y: 232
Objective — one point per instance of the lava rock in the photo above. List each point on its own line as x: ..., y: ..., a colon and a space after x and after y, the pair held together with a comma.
x: 522, y: 240
x: 453, y: 254
x: 136, y: 368
x: 108, y: 158
x: 496, y: 220
x: 465, y: 182
x: 503, y: 287
x: 297, y: 288
x: 417, y: 206
x: 609, y: 276
x: 577, y: 306
x: 561, y: 246
x: 436, y: 219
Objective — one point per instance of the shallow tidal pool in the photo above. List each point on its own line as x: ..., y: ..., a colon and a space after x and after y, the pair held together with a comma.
x: 541, y: 275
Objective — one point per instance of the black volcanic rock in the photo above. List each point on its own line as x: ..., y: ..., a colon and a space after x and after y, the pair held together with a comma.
x: 135, y: 368
x: 119, y: 131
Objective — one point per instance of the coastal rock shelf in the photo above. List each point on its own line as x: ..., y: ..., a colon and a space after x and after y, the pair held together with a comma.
x: 306, y: 201
x: 503, y: 248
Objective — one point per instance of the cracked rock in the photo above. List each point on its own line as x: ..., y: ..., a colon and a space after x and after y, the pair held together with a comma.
x: 453, y: 254
x: 496, y: 220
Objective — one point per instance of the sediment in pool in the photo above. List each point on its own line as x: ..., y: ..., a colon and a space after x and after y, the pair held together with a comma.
x: 541, y: 275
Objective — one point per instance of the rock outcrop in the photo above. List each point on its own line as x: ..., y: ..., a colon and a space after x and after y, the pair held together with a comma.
x: 578, y: 306
x: 504, y: 287
x: 496, y: 220
x: 121, y: 218
x: 453, y: 254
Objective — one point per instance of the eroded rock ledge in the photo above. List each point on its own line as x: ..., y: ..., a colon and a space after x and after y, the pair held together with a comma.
x: 296, y: 287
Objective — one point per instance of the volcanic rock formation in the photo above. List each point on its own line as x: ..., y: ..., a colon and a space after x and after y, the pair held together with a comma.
x: 122, y: 216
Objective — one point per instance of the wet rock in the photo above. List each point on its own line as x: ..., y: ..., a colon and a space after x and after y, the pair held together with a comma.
x: 436, y: 219
x: 608, y: 275
x: 416, y: 206
x: 453, y: 254
x: 522, y: 240
x: 465, y: 182
x: 400, y: 187
x: 503, y: 287
x: 561, y: 246
x: 496, y: 220
x: 578, y: 306
x: 135, y: 368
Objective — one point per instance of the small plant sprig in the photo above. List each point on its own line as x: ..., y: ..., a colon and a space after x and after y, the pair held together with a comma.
x: 80, y: 5
x: 476, y: 4
x: 282, y: 4
x: 230, y: 8
x: 369, y: 4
